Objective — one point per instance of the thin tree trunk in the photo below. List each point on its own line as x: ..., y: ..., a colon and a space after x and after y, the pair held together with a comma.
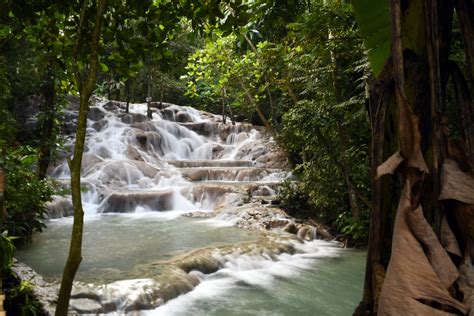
x: 127, y: 94
x: 3, y: 212
x: 85, y: 88
x: 46, y: 125
x: 267, y: 89
x: 223, y: 104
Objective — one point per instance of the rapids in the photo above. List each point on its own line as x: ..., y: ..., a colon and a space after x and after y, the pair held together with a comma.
x: 141, y: 255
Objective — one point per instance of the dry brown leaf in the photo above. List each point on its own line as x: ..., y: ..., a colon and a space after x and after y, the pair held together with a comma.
x: 410, y: 276
x: 466, y: 284
x: 409, y: 135
x: 436, y: 254
x: 379, y: 274
x: 390, y: 165
x: 448, y: 240
x: 456, y: 184
x: 464, y: 215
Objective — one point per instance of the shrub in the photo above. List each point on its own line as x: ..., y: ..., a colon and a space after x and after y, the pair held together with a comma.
x: 25, y: 195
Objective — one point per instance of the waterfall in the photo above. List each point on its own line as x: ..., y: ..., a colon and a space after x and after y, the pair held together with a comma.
x: 139, y: 178
x: 169, y: 163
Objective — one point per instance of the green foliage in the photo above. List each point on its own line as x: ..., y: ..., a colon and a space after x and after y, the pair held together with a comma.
x: 310, y: 85
x: 354, y: 229
x: 21, y: 301
x: 374, y: 26
x: 294, y: 199
x: 25, y: 195
x: 6, y: 253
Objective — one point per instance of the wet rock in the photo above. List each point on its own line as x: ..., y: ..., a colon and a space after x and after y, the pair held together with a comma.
x: 263, y: 190
x: 154, y: 139
x: 200, y: 260
x: 113, y: 105
x: 103, y: 152
x: 167, y: 114
x: 95, y: 114
x: 217, y: 151
x: 133, y: 154
x: 141, y: 138
x: 290, y: 228
x: 89, y: 161
x: 59, y: 207
x: 123, y: 202
x: 132, y: 118
x: 84, y: 305
x: 202, y: 128
x: 69, y: 122
x: 145, y: 126
x: 183, y: 117
x: 46, y: 293
x: 277, y: 223
x: 72, y: 103
x: 303, y: 232
x: 99, y: 125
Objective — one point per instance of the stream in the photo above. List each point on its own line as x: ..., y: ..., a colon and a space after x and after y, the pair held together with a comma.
x: 181, y: 218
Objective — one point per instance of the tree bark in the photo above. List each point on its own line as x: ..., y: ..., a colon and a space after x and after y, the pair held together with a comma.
x: 127, y: 94
x: 3, y: 212
x: 47, y: 138
x: 86, y: 88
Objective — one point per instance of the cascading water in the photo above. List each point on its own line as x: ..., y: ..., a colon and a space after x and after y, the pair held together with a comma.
x: 139, y: 177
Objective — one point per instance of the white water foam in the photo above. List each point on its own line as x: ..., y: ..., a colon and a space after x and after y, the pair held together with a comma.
x: 245, y: 271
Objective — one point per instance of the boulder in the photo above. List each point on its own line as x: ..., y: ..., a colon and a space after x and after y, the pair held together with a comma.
x: 59, y: 207
x: 123, y: 202
x: 95, y: 114
x: 183, y: 117
x: 132, y: 118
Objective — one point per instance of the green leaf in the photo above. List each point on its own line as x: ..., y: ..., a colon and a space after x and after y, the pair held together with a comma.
x: 374, y: 26
x: 104, y: 67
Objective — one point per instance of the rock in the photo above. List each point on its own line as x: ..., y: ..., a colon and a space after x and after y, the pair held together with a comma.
x: 123, y: 202
x: 99, y: 125
x: 95, y: 114
x: 132, y: 118
x: 290, y: 228
x: 183, y: 117
x: 59, y: 207
x: 114, y: 105
x: 84, y: 305
x: 168, y: 114
x: 277, y: 223
x: 321, y: 231
x: 274, y: 159
x: 141, y: 138
x: 306, y: 232
x: 217, y: 151
x: 133, y: 154
x: 103, y: 152
x: 154, y: 139
x: 89, y: 161
x: 202, y: 128
x: 45, y: 293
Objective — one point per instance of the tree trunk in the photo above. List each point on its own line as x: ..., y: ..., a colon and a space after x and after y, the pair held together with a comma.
x: 223, y: 97
x: 47, y: 138
x: 86, y: 88
x: 408, y: 117
x: 127, y: 94
x: 3, y: 212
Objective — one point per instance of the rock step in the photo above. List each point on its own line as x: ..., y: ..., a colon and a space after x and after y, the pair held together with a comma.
x: 210, y: 163
x: 226, y: 174
x: 127, y: 201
